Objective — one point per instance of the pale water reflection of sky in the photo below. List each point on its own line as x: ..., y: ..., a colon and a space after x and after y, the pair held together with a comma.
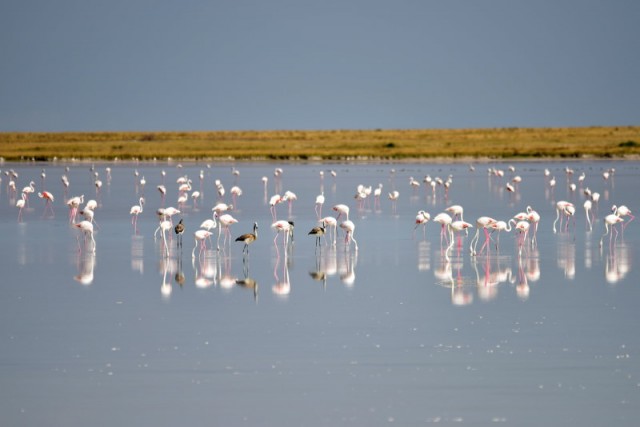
x: 401, y: 330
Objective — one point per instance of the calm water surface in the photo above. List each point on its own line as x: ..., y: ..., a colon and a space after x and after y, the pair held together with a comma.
x: 397, y: 332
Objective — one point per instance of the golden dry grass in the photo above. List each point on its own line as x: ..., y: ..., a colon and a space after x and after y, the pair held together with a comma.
x: 619, y: 141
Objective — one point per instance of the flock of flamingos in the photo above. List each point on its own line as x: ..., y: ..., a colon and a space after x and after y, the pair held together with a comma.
x: 451, y: 220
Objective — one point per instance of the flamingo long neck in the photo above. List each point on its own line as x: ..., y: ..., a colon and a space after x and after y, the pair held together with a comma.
x: 508, y: 229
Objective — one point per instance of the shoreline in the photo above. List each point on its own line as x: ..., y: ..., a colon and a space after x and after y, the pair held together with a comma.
x: 410, y: 145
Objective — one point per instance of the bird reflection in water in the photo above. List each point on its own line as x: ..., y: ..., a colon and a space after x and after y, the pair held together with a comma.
x: 348, y: 268
x: 137, y: 253
x: 618, y: 263
x: 319, y: 274
x: 424, y: 250
x: 460, y: 295
x: 566, y: 256
x: 167, y: 266
x: 282, y: 287
x: 493, y: 275
x: 206, y: 270
x: 86, y: 264
x: 227, y: 280
x: 522, y: 287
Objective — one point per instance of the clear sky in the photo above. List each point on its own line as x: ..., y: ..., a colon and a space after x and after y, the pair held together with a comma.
x: 333, y: 64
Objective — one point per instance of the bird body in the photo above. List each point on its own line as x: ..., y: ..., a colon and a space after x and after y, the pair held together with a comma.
x: 87, y: 230
x: 318, y: 232
x: 248, y: 238
x: 179, y: 230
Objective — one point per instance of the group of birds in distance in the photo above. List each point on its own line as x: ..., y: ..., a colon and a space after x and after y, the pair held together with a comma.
x: 451, y: 219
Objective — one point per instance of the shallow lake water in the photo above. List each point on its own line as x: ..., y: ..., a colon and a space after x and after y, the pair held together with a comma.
x: 400, y: 331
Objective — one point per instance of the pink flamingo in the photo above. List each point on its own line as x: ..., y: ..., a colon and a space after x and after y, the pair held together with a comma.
x: 444, y: 220
x: 200, y: 238
x: 587, y: 210
x: 523, y: 228
x: 560, y: 209
x: 286, y: 227
x: 483, y: 223
x: 422, y: 218
x: 500, y: 226
x: 275, y: 200
x: 87, y: 230
x: 534, y: 219
x: 73, y: 204
x: 453, y: 227
x: 20, y: 205
x: 349, y: 227
x: 342, y: 210
x: 623, y: 211
x: 393, y: 196
x: 135, y: 211
x: 48, y: 197
x: 610, y: 221
x: 330, y: 222
x: 226, y: 221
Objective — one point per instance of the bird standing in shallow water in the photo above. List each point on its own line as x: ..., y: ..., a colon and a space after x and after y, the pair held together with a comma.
x: 179, y: 230
x: 87, y: 230
x: 318, y: 232
x: 248, y: 238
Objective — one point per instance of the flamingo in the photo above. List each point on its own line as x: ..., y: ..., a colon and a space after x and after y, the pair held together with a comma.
x: 623, y: 211
x: 163, y: 192
x: 330, y: 222
x: 422, y: 218
x: 248, y: 238
x: 235, y: 193
x: 290, y: 197
x: 534, y: 219
x: 195, y: 196
x: 393, y: 196
x: 569, y: 212
x: 73, y: 204
x: 135, y: 211
x: 444, y: 220
x: 273, y: 201
x: 560, y: 208
x: 349, y: 227
x: 500, y: 226
x: 200, y: 236
x: 453, y: 227
x: 164, y: 226
x: 587, y: 209
x: 170, y: 212
x: 286, y: 227
x: 342, y: 210
x: 87, y: 230
x: 610, y: 221
x: 523, y: 228
x: 226, y: 221
x: 48, y: 197
x: 28, y: 190
x: 456, y: 211
x: 483, y: 223
x: 221, y: 207
x: 20, y: 205
x: 376, y: 196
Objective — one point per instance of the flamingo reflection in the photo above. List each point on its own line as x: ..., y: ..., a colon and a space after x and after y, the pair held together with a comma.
x: 282, y: 287
x: 86, y: 264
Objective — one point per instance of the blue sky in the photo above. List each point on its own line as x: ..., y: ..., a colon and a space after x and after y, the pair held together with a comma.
x: 293, y: 64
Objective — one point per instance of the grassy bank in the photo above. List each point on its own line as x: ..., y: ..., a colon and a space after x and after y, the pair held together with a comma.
x: 505, y: 143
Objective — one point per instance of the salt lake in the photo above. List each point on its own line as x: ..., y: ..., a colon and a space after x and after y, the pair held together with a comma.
x: 400, y: 331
